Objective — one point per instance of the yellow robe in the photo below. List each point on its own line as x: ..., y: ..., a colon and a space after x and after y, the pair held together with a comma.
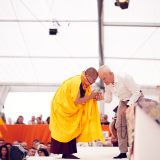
x: 4, y: 125
x: 69, y: 121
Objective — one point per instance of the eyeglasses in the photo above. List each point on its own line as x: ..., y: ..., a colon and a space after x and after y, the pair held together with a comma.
x: 90, y: 79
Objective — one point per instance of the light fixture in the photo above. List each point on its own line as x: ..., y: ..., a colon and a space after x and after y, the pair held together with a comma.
x: 53, y: 31
x: 123, y: 4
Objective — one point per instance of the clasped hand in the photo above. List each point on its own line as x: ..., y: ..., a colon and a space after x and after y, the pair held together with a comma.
x: 97, y: 95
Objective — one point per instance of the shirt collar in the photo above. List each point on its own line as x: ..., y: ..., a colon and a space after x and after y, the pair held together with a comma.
x: 115, y: 79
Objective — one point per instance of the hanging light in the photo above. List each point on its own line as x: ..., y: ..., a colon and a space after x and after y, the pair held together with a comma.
x: 123, y: 4
x: 53, y: 31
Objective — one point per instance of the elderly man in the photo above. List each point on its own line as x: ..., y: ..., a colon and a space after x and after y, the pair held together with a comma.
x: 129, y: 93
x: 74, y: 114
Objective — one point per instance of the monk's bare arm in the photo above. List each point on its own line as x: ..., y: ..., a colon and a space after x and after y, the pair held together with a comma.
x: 83, y: 100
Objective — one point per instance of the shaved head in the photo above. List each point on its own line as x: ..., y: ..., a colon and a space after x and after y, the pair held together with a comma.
x: 91, y: 72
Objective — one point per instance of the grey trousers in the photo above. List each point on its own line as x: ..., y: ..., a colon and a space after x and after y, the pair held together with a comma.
x: 121, y: 122
x: 121, y: 126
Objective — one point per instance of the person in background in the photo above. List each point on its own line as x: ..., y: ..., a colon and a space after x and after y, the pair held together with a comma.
x: 35, y: 144
x: 104, y: 119
x: 74, y: 114
x: 20, y: 120
x: 31, y: 152
x: 112, y: 128
x: 24, y: 145
x: 43, y: 152
x: 4, y: 153
x: 47, y: 120
x: 49, y: 148
x: 9, y: 145
x: 32, y: 121
x: 2, y: 142
x: 16, y: 142
x: 39, y: 120
x: 10, y: 121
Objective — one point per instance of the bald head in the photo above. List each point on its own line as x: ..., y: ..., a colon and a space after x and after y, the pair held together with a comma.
x: 105, y: 74
x: 91, y: 74
x: 104, y: 68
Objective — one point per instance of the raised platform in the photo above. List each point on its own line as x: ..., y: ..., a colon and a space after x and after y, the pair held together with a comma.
x: 89, y: 153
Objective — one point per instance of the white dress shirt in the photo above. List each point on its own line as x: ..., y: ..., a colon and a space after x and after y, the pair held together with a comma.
x: 124, y: 88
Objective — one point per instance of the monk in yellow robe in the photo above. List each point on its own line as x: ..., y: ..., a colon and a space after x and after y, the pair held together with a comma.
x: 74, y: 114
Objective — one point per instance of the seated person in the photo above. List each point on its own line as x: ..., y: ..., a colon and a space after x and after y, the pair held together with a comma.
x: 112, y: 128
x: 104, y: 119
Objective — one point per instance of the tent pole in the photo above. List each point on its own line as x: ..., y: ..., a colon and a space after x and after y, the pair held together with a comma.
x: 101, y: 45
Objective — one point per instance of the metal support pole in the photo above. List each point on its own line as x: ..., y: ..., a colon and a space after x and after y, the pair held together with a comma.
x: 101, y: 46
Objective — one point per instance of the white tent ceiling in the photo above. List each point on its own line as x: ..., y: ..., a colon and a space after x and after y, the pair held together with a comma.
x: 28, y: 54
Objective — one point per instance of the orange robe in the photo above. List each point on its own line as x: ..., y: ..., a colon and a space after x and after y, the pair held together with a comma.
x: 69, y: 121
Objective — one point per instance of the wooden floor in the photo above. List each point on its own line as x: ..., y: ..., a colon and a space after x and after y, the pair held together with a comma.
x: 89, y: 153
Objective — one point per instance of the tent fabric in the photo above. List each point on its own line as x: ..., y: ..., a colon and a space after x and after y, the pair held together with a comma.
x: 28, y: 54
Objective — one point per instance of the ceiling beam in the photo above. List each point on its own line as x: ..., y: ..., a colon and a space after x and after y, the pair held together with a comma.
x: 31, y: 87
x: 131, y: 24
x: 52, y: 87
x: 100, y: 10
x: 79, y: 57
x: 47, y: 20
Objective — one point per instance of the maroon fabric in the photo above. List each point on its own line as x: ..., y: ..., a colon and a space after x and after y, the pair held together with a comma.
x: 63, y: 148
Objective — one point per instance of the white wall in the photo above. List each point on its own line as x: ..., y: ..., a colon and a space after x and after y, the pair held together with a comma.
x: 147, y: 137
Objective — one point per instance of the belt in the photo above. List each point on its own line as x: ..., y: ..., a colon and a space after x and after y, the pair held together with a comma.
x: 125, y: 101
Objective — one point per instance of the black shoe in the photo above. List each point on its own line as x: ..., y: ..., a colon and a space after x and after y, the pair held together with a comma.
x: 121, y: 155
x: 69, y: 156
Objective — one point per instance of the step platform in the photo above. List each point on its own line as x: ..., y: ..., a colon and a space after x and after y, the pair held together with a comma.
x: 88, y: 153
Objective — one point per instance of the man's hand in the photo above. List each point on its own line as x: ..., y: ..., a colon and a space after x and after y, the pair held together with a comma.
x: 99, y: 96
x: 93, y: 94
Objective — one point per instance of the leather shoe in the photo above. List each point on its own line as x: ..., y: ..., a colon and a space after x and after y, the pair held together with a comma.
x: 69, y: 156
x: 121, y: 155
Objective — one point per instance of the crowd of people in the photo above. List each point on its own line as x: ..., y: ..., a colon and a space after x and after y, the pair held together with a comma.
x: 21, y: 150
x: 39, y: 120
x: 32, y: 121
